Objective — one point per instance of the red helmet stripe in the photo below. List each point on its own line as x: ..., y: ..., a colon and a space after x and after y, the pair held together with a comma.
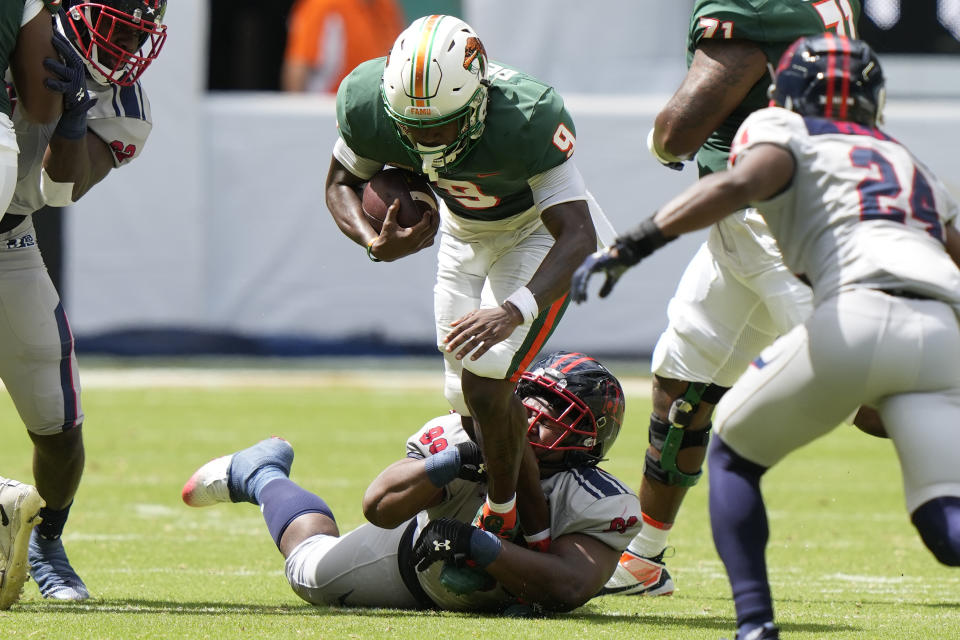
x: 576, y: 362
x: 845, y: 77
x: 831, y: 74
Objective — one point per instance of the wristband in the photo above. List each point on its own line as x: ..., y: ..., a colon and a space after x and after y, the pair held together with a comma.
x: 538, y: 537
x: 636, y: 245
x: 442, y: 467
x: 484, y: 547
x: 525, y: 303
x: 370, y: 255
x: 539, y: 542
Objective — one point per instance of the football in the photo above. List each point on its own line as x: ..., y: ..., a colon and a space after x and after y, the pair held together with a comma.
x: 413, y: 190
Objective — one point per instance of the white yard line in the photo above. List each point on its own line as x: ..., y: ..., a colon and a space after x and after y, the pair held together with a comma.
x: 217, y: 378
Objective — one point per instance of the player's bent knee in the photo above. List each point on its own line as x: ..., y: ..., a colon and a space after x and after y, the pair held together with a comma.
x: 938, y: 522
x: 669, y: 440
x: 56, y: 440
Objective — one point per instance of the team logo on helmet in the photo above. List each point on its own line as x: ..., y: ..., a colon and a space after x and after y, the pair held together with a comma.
x: 475, y: 53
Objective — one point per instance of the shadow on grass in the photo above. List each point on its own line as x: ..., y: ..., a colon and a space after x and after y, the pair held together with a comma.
x: 155, y: 607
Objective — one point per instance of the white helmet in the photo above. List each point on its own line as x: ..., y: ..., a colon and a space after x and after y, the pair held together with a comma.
x: 437, y: 73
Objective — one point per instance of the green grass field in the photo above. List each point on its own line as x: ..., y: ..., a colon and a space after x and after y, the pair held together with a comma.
x: 844, y: 560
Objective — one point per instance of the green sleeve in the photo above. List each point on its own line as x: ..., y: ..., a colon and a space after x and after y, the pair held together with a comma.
x: 362, y: 121
x: 551, y: 132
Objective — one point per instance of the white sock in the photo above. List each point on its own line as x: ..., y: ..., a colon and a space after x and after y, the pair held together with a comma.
x: 651, y: 540
x: 505, y: 507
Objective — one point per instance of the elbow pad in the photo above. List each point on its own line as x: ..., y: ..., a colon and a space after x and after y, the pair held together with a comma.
x: 55, y: 194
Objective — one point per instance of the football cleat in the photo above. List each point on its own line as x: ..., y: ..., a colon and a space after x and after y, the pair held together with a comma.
x: 52, y: 572
x: 208, y: 484
x: 639, y: 576
x: 224, y: 479
x: 767, y: 631
x: 20, y: 506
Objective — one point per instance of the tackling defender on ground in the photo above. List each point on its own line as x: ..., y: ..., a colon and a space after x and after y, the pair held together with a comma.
x: 423, y: 553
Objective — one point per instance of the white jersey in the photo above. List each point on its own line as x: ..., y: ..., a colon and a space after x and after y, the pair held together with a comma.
x: 887, y: 233
x: 121, y: 118
x: 585, y: 500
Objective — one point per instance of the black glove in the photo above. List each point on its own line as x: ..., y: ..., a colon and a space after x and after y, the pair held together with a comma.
x: 443, y: 539
x: 71, y: 81
x: 472, y: 467
x: 614, y: 260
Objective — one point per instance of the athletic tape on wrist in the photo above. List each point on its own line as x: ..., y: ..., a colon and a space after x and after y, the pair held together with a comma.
x: 442, y: 467
x: 538, y: 537
x: 525, y: 303
x: 484, y: 547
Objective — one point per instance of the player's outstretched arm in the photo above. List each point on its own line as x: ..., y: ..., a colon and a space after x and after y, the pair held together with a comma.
x: 761, y: 173
x: 758, y: 175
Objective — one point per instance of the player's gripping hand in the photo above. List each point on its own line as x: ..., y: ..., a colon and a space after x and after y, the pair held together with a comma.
x: 614, y: 260
x: 444, y: 539
x: 472, y: 467
x: 455, y: 542
x: 70, y: 80
x: 461, y: 461
x: 395, y: 242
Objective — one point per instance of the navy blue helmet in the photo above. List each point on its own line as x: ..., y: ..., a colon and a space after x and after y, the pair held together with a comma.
x: 585, y: 397
x: 831, y: 77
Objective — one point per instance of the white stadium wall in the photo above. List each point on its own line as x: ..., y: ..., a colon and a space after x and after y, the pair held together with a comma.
x: 220, y: 226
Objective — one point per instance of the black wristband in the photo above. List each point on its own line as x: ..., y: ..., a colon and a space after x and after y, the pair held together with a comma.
x: 636, y: 245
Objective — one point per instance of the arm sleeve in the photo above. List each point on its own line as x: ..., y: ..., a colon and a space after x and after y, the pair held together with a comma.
x: 32, y: 7
x: 357, y: 165
x: 563, y: 183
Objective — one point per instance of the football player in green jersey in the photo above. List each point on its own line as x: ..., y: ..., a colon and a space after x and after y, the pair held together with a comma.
x: 496, y: 146
x: 736, y: 296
